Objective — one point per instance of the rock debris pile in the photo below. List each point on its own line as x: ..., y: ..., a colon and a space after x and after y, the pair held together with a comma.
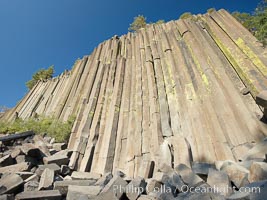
x: 35, y: 167
x: 176, y: 105
x: 171, y: 93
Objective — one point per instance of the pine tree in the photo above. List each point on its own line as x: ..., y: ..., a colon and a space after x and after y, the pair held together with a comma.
x: 256, y: 23
x: 139, y: 22
x: 42, y: 74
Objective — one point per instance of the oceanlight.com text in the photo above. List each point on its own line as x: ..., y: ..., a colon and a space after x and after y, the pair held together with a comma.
x: 185, y: 189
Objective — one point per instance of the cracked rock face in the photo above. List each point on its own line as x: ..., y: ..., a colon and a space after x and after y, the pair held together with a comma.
x: 147, y: 102
x: 38, y: 180
x: 168, y: 94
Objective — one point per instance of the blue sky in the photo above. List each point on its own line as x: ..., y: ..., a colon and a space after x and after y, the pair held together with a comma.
x: 35, y: 34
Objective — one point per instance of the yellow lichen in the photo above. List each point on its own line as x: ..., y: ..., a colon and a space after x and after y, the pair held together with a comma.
x: 117, y: 109
x: 241, y: 72
x: 203, y: 75
x: 91, y: 114
x: 190, y: 92
x: 205, y: 79
x: 252, y: 56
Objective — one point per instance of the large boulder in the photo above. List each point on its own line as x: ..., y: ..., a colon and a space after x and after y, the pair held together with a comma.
x: 82, y: 192
x: 258, y: 151
x: 188, y: 176
x: 39, y: 195
x: 258, y: 172
x: 47, y: 179
x: 6, y: 161
x: 85, y: 176
x: 21, y: 167
x: 51, y: 166
x: 114, y: 190
x: 152, y: 185
x: 103, y: 181
x: 135, y: 188
x: 220, y: 181
x: 57, y: 159
x: 237, y: 174
x: 12, y: 183
x: 63, y: 186
x: 31, y: 186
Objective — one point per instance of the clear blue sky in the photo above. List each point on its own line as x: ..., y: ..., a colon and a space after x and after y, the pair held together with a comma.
x: 35, y: 34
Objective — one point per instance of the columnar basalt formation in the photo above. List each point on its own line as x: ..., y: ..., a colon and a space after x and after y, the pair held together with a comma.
x: 169, y: 93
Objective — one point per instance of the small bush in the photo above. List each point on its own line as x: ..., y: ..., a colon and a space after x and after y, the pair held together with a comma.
x: 211, y: 10
x: 42, y: 74
x: 49, y: 125
x: 186, y: 15
x: 138, y: 23
x: 161, y: 21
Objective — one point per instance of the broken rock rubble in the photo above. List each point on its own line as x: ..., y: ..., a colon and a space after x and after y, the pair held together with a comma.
x: 29, y: 173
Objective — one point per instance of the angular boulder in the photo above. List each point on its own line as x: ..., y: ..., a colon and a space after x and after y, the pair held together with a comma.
x: 59, y: 146
x: 39, y: 195
x: 135, y: 188
x: 31, y: 186
x: 103, y: 181
x: 188, y: 176
x: 220, y: 181
x: 41, y: 144
x: 6, y: 161
x: 57, y: 159
x: 7, y: 197
x: 152, y: 185
x: 202, y: 168
x: 113, y: 190
x: 85, y: 176
x: 11, y: 184
x: 80, y: 192
x: 47, y: 179
x: 51, y: 166
x: 30, y: 150
x: 62, y: 186
x: 258, y: 172
x: 21, y: 167
x: 237, y: 174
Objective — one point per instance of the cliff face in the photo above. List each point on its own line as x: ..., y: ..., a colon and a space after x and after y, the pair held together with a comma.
x: 170, y: 93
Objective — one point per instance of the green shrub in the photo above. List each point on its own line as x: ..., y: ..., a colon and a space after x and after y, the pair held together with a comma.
x: 42, y: 74
x: 161, y: 21
x: 211, y: 10
x: 186, y: 15
x: 256, y: 22
x: 49, y: 125
x: 139, y: 22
